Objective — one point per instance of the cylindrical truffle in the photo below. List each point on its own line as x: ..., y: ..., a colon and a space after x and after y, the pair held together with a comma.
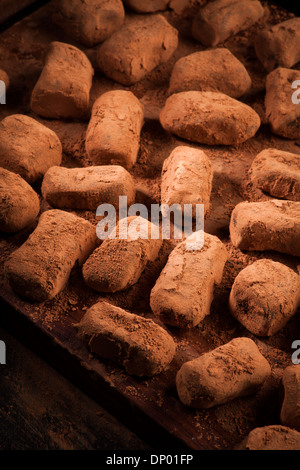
x: 89, y: 22
x: 187, y: 178
x: 212, y: 70
x: 137, y: 48
x: 87, y: 188
x: 219, y: 20
x: 264, y: 296
x: 19, y: 203
x: 184, y: 291
x: 209, y: 118
x: 279, y: 46
x: 119, y: 262
x: 113, y: 134
x: 63, y: 89
x: 41, y: 267
x: 267, y: 225
x: 233, y: 370
x: 277, y: 173
x: 27, y: 147
x: 138, y: 344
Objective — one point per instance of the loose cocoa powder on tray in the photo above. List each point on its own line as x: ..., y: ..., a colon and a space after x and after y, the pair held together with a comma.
x: 231, y: 185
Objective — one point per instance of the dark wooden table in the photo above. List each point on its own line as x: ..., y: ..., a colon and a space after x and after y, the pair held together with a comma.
x: 41, y: 410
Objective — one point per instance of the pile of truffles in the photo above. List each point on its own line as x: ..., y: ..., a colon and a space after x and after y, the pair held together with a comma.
x: 203, y: 109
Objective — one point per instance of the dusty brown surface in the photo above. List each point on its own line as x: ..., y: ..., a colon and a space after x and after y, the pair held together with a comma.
x: 21, y: 52
x: 186, y: 178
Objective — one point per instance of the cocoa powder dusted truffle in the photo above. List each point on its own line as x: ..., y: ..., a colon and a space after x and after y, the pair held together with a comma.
x: 41, y: 267
x: 281, y: 112
x: 184, y: 291
x: 19, y: 203
x: 89, y: 22
x: 209, y: 118
x: 141, y: 346
x: 187, y: 178
x: 273, y: 437
x: 212, y: 70
x: 279, y: 46
x: 137, y: 48
x: 277, y: 173
x: 113, y: 134
x: 267, y: 225
x: 63, y: 88
x: 264, y: 296
x: 219, y: 20
x: 119, y: 262
x: 233, y: 370
x: 87, y: 188
x: 28, y: 147
x: 290, y: 410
